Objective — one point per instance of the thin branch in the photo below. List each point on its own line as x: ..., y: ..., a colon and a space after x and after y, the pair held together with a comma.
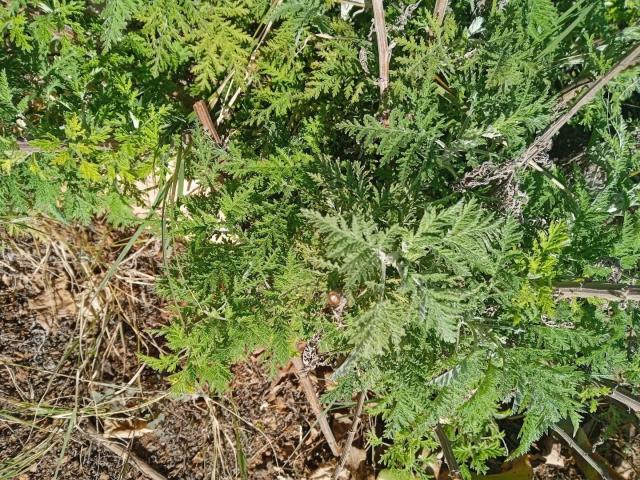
x: 489, y: 172
x: 202, y: 112
x: 248, y: 74
x: 440, y: 9
x: 447, y: 451
x: 615, y: 292
x: 124, y: 454
x: 384, y: 54
x: 28, y: 148
x: 629, y: 402
x: 352, y: 433
x: 568, y: 93
x: 542, y: 142
x: 548, y: 175
x: 578, y: 449
x: 312, y: 398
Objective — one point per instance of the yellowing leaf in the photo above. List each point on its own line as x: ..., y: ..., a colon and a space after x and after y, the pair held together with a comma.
x: 35, y: 168
x: 81, y: 148
x: 89, y: 171
x: 99, y: 136
x: 61, y: 158
x: 73, y: 129
x: 50, y: 144
x: 6, y: 165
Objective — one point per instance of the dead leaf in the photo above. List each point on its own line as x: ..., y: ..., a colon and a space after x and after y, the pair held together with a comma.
x: 555, y: 458
x: 52, y: 303
x: 340, y: 426
x: 434, y: 468
x: 91, y: 305
x: 312, y: 436
x: 519, y: 469
x: 329, y: 383
x: 126, y: 428
x: 198, y: 458
x: 356, y: 459
x: 325, y: 472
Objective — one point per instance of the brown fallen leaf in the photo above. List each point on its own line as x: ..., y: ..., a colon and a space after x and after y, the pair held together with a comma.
x: 125, y: 428
x: 53, y: 303
x: 519, y: 469
x: 325, y: 472
x: 356, y: 461
x: 340, y: 425
x: 555, y: 458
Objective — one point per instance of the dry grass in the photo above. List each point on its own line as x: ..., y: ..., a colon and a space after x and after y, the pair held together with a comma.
x: 93, y: 375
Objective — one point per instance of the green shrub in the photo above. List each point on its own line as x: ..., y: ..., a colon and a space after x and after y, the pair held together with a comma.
x: 450, y: 313
x: 451, y: 256
x: 94, y: 96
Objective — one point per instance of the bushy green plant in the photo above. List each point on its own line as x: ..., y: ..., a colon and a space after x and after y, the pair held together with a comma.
x: 451, y: 316
x: 451, y: 277
x: 94, y: 96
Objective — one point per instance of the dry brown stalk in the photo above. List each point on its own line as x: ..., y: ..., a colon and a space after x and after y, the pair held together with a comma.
x: 312, y: 398
x: 568, y: 93
x: 580, y: 451
x: 352, y: 433
x: 614, y: 292
x: 489, y: 172
x: 261, y: 33
x: 542, y: 142
x: 26, y: 147
x: 440, y: 9
x: 629, y: 402
x: 202, y: 112
x: 447, y: 451
x: 125, y: 454
x: 384, y: 54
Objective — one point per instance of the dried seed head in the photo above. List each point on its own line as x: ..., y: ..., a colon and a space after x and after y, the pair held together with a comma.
x: 334, y: 299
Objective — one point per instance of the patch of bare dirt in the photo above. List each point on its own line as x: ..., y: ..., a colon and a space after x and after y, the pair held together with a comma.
x: 68, y: 349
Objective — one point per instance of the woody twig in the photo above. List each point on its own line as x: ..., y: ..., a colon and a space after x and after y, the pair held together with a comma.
x: 312, y: 398
x: 202, y: 112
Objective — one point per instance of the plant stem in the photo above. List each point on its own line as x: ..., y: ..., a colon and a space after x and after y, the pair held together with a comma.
x: 626, y: 400
x: 352, y: 433
x: 312, y: 398
x: 384, y: 56
x: 580, y: 451
x: 615, y: 292
x: 542, y: 142
x: 125, y: 454
x: 440, y: 9
x: 447, y: 451
x: 202, y: 112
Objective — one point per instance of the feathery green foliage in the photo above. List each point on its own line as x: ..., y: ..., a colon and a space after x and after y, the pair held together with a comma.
x: 449, y: 314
